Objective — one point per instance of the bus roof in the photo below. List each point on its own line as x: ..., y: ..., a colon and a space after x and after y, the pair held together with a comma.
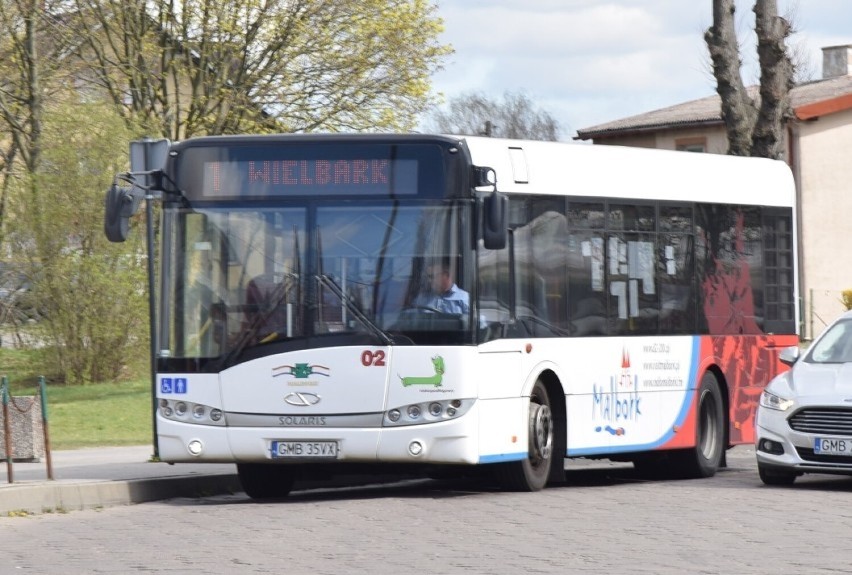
x: 535, y: 167
x: 343, y: 138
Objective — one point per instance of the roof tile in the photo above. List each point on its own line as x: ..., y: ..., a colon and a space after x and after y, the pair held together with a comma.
x: 708, y: 110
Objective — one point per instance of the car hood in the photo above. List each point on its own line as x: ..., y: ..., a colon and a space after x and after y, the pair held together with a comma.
x: 820, y: 383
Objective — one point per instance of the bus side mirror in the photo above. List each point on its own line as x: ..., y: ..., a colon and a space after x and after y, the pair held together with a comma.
x: 496, y: 214
x: 121, y: 203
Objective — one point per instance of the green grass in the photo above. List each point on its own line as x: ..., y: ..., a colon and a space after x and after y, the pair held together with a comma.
x: 79, y: 416
x: 99, y: 414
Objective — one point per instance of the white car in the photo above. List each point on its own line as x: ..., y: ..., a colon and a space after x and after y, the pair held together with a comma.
x: 804, y: 420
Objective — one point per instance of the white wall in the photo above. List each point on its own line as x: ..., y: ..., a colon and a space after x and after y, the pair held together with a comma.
x: 825, y: 163
x: 716, y: 140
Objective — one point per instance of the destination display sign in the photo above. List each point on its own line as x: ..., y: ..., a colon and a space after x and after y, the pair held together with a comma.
x: 307, y: 177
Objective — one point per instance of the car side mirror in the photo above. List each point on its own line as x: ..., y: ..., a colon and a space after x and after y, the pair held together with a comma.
x: 789, y: 355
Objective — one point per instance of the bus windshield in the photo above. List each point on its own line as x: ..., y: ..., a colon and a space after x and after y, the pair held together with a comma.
x: 241, y: 278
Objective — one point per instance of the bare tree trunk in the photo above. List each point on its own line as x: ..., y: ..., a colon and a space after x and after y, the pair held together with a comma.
x: 738, y: 109
x: 776, y: 80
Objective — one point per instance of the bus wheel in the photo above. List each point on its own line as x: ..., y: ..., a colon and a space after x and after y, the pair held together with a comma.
x: 704, y: 459
x: 532, y: 473
x: 265, y: 481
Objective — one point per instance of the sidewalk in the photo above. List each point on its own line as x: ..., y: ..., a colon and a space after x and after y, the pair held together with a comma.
x: 102, y: 477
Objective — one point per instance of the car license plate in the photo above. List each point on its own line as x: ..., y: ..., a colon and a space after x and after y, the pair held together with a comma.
x: 311, y: 449
x: 823, y: 446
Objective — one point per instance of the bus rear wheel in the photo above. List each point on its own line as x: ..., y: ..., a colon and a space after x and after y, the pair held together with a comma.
x: 265, y: 481
x: 704, y: 459
x: 531, y: 474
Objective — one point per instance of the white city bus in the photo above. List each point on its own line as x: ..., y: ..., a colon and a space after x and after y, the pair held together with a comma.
x: 623, y: 303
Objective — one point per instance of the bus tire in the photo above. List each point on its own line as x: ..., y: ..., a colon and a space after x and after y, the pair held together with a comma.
x: 532, y: 473
x: 265, y: 481
x: 704, y: 459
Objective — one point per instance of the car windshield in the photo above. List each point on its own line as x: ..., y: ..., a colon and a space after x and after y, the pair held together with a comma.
x: 834, y: 346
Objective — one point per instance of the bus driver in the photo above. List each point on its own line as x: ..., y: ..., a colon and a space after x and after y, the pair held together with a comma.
x: 445, y: 296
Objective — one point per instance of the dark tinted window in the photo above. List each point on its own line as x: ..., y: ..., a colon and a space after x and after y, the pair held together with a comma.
x: 631, y: 217
x: 621, y: 267
x: 730, y: 269
x: 586, y: 215
x: 778, y: 269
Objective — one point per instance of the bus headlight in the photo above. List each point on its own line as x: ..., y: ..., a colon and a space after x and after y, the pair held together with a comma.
x: 430, y: 412
x: 188, y: 412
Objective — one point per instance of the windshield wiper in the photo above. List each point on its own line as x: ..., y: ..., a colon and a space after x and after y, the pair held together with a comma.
x: 329, y: 282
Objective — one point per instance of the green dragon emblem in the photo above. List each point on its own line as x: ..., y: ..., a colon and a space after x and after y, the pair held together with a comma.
x: 300, y: 370
x: 438, y: 364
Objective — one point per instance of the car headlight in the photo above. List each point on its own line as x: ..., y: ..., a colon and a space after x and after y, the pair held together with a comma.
x: 772, y: 401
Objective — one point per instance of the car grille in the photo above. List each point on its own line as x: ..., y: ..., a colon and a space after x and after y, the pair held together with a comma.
x: 823, y: 421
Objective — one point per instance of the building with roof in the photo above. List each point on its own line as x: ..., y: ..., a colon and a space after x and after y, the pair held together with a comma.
x: 818, y: 148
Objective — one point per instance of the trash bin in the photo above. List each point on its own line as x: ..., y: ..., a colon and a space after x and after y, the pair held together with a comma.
x: 26, y: 429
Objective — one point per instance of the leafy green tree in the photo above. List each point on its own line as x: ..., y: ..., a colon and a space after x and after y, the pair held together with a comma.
x: 515, y: 116
x: 90, y: 293
x: 171, y: 69
x: 200, y: 67
x: 23, y: 70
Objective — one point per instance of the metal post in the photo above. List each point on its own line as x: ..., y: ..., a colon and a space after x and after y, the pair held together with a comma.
x: 43, y: 396
x: 7, y: 429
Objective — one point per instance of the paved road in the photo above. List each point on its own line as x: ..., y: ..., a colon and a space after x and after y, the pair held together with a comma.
x: 605, y: 520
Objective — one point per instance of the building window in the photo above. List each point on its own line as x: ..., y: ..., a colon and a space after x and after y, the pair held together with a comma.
x: 691, y: 144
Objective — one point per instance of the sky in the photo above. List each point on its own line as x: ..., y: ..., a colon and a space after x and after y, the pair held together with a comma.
x: 587, y: 62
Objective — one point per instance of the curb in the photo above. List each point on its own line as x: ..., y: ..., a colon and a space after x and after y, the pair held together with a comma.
x: 73, y: 496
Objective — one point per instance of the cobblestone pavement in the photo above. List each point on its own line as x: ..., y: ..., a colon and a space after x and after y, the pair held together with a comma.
x: 605, y: 520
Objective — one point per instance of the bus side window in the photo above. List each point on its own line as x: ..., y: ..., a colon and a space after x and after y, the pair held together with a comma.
x: 634, y: 305
x: 676, y: 280
x: 586, y: 304
x: 589, y: 317
x: 494, y: 291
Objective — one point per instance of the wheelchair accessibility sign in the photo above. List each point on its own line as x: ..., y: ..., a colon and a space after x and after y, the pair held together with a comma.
x: 173, y: 385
